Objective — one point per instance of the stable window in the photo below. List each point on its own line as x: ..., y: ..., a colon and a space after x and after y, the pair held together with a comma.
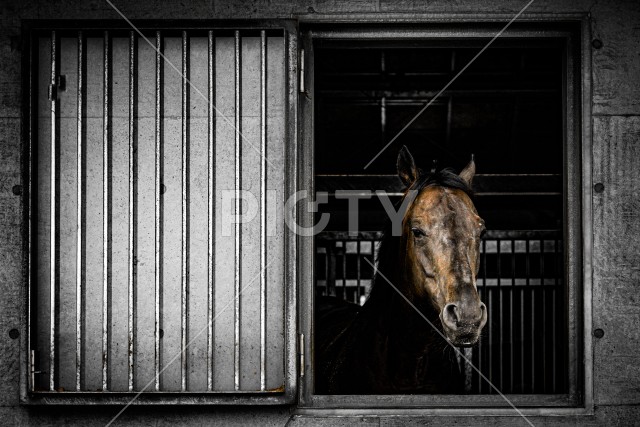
x: 514, y: 109
x: 131, y: 170
x: 139, y: 147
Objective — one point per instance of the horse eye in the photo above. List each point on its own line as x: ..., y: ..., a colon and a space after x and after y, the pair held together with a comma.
x: 418, y: 233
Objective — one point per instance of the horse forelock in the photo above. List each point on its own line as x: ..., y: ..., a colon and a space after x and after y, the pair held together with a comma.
x: 446, y: 178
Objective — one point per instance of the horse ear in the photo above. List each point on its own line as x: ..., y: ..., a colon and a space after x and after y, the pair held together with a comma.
x: 468, y: 172
x: 407, y: 170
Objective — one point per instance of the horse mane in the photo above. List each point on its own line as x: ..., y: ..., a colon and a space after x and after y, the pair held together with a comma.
x: 389, y: 245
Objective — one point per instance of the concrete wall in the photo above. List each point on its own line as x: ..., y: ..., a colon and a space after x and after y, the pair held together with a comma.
x: 616, y: 226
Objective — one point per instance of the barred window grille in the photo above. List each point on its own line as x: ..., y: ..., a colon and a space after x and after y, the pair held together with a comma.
x: 520, y: 281
x: 136, y: 286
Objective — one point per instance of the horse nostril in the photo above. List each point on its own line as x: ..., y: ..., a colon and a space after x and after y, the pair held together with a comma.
x: 483, y: 315
x: 450, y: 316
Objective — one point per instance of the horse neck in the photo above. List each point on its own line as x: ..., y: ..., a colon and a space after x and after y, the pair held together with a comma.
x: 402, y: 350
x: 403, y: 321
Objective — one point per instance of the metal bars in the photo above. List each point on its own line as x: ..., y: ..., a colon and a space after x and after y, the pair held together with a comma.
x: 238, y: 209
x: 544, y: 324
x: 185, y: 206
x: 106, y: 206
x: 210, y: 202
x: 119, y: 219
x: 132, y: 205
x: 263, y: 210
x: 334, y: 250
x: 509, y: 267
x: 80, y: 212
x: 506, y: 282
x: 53, y: 205
x: 158, y: 207
x: 29, y: 205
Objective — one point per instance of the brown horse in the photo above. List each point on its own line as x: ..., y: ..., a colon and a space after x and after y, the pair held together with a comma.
x: 386, y: 346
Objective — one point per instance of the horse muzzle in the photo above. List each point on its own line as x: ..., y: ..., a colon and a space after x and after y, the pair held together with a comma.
x: 462, y: 323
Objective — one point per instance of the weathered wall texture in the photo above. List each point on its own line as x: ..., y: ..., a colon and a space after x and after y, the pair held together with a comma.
x: 616, y: 225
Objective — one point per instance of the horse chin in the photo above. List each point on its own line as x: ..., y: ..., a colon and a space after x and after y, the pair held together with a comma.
x: 467, y: 337
x: 465, y: 342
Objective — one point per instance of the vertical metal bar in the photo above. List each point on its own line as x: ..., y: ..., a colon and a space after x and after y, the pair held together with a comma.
x: 383, y: 117
x: 238, y: 209
x: 158, y: 184
x: 53, y: 202
x: 29, y: 201
x: 490, y: 321
x: 374, y: 256
x: 210, y: 201
x: 132, y: 199
x: 106, y: 195
x: 358, y: 278
x: 527, y: 265
x: 533, y: 325
x: 185, y: 207
x: 522, y: 320
x: 383, y: 100
x: 512, y: 290
x: 500, y: 316
x: 79, y: 212
x: 344, y: 270
x: 449, y: 118
x: 543, y: 294
x: 527, y: 273
x: 263, y: 210
x: 450, y: 99
x: 554, y: 319
x: 328, y: 267
x: 542, y: 262
x: 478, y: 362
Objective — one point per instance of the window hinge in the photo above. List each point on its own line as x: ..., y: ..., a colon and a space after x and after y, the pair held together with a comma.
x: 301, y: 351
x: 60, y: 84
x: 53, y: 92
x: 302, y: 89
x: 32, y: 370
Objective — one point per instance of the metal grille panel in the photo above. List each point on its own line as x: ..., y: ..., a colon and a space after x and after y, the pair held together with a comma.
x: 521, y: 350
x: 139, y: 149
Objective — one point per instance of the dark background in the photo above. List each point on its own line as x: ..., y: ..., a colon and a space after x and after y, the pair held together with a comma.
x: 505, y: 109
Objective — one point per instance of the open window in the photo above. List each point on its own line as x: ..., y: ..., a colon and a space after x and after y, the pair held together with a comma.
x: 138, y: 145
x: 514, y: 109
x: 120, y: 145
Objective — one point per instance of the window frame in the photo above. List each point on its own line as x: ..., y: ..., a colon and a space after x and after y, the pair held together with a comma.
x: 287, y: 395
x: 574, y: 30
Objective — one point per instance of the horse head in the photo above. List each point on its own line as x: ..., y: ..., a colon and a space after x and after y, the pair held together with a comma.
x: 441, y: 235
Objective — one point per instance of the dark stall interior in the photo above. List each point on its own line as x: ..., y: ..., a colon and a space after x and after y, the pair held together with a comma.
x: 507, y: 110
